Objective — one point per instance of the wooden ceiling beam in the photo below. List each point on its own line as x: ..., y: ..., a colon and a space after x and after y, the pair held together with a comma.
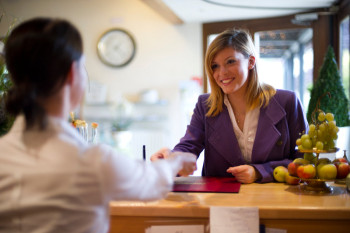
x: 161, y: 8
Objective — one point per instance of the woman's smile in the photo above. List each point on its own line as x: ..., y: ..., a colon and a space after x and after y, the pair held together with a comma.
x: 227, y: 81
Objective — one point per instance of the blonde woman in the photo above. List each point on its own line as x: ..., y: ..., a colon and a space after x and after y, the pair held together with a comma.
x: 246, y: 128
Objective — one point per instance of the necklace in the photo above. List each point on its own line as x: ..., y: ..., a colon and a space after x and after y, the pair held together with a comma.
x: 239, y: 117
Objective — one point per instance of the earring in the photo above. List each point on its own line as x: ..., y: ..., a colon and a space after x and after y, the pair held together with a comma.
x: 251, y: 63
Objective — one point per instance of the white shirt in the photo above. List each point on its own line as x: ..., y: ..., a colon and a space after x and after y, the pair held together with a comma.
x: 246, y: 138
x: 52, y: 181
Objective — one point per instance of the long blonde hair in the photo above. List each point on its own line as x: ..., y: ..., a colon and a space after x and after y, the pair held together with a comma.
x: 258, y: 95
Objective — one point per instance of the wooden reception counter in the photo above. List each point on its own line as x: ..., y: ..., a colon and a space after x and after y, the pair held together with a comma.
x: 280, y: 206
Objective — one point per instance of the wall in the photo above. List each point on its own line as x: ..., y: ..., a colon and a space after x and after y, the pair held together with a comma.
x: 166, y: 54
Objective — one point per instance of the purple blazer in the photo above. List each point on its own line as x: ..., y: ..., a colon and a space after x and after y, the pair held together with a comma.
x: 279, y: 125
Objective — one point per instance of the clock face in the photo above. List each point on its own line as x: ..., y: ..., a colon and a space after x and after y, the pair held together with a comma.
x: 116, y: 47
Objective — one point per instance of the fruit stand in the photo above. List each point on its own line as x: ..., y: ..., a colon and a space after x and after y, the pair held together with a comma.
x: 312, y: 170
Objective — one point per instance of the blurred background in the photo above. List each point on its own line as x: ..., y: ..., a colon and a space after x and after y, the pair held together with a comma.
x: 150, y: 100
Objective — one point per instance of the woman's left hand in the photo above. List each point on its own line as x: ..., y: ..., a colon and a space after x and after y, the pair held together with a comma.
x: 244, y: 173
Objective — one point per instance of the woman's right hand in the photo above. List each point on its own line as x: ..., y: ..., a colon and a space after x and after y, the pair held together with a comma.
x: 161, y: 154
x: 187, y: 162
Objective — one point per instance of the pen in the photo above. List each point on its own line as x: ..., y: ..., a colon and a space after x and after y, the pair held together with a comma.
x: 144, y: 152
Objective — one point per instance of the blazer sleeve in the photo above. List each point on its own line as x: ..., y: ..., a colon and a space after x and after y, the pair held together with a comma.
x: 194, y: 138
x: 296, y: 124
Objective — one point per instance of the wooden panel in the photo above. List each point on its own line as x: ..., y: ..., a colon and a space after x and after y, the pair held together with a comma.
x: 321, y: 40
x: 298, y: 226
x: 344, y: 10
x: 139, y: 224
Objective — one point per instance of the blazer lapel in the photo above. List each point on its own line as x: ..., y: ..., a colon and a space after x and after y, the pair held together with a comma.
x: 267, y: 135
x: 223, y: 138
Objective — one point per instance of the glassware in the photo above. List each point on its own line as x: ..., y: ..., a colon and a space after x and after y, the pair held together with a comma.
x: 89, y: 135
x: 93, y: 135
x: 82, y: 128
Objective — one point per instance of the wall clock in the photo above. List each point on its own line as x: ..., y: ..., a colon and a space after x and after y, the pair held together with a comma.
x: 116, y: 47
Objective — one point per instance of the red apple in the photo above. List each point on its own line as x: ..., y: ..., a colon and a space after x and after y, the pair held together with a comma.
x: 293, y: 166
x: 292, y: 179
x: 341, y: 160
x: 306, y: 171
x: 343, y: 169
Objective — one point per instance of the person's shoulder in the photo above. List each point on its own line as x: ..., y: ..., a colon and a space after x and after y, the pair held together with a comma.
x: 203, y: 97
x: 287, y: 99
x: 285, y: 95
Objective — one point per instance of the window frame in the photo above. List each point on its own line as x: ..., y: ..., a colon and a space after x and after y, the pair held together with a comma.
x: 343, y: 13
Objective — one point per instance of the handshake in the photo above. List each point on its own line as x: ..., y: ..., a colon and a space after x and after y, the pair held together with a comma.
x: 183, y: 162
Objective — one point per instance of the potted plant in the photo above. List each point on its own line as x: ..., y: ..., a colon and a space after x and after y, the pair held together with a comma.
x: 6, y: 120
x: 5, y: 83
x: 336, y: 102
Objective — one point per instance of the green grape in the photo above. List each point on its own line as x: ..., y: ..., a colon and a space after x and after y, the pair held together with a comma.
x: 320, y: 135
x: 335, y: 137
x: 336, y: 129
x: 331, y: 144
x: 328, y: 137
x: 325, y: 146
x: 305, y: 136
x: 312, y: 134
x: 333, y: 132
x: 322, y: 127
x: 324, y: 133
x: 331, y: 124
x: 298, y: 142
x: 321, y: 116
x: 329, y: 116
x: 312, y: 128
x: 319, y: 145
x: 306, y: 143
x: 309, y: 156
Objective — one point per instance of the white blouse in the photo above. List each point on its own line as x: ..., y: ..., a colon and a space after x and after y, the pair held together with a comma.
x: 246, y: 138
x: 52, y: 181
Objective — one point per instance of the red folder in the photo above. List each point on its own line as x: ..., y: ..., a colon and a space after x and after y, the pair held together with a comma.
x: 206, y: 184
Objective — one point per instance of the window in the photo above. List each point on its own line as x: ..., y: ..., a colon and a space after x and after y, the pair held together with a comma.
x: 344, y: 55
x: 286, y: 60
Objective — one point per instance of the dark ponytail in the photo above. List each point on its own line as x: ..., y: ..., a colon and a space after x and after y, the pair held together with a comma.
x: 20, y: 100
x: 39, y: 54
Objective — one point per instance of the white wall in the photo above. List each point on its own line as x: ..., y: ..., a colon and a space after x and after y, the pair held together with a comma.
x: 166, y: 53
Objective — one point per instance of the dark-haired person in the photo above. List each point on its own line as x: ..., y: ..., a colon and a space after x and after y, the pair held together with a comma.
x: 246, y: 128
x: 50, y: 179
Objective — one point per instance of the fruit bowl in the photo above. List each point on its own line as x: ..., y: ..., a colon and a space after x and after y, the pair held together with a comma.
x: 320, y: 138
x: 317, y: 185
x: 317, y: 152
